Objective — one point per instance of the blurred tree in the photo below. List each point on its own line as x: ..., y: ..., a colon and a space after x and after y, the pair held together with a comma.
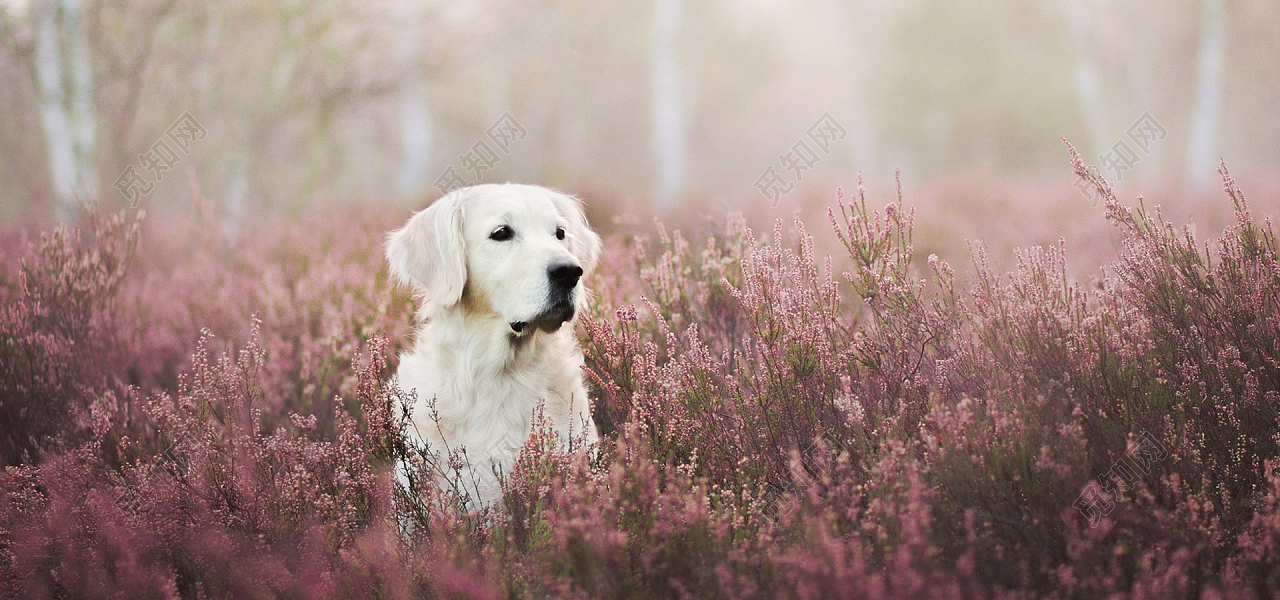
x: 1203, y: 148
x: 850, y: 21
x: 660, y: 101
x: 65, y: 80
x: 668, y: 103
x: 1088, y: 78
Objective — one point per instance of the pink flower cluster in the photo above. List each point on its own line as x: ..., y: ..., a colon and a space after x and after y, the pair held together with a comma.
x: 184, y: 418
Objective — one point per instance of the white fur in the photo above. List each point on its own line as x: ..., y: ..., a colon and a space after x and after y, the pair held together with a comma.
x: 486, y: 378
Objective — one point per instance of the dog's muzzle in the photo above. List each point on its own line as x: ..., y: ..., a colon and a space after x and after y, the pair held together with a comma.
x: 563, y: 280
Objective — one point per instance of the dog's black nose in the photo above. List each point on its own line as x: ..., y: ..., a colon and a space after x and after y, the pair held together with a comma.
x: 565, y: 274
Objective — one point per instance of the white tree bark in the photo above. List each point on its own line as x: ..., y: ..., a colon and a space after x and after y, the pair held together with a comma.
x: 215, y: 16
x: 1088, y: 79
x: 849, y: 81
x: 234, y: 202
x: 412, y: 177
x: 1144, y: 48
x: 66, y: 101
x: 287, y: 58
x: 1202, y: 147
x: 84, y: 119
x: 667, y: 103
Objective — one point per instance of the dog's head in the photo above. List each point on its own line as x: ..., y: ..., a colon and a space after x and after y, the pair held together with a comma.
x: 512, y: 251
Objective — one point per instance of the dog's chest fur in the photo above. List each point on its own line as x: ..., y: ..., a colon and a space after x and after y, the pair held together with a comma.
x: 486, y: 389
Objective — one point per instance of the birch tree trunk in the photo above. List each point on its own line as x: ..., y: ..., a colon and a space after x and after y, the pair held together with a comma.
x: 67, y: 116
x: 849, y: 81
x: 84, y: 119
x: 235, y: 200
x: 667, y: 110
x: 1202, y: 146
x: 412, y: 177
x: 415, y: 138
x: 1088, y: 79
x: 1144, y: 48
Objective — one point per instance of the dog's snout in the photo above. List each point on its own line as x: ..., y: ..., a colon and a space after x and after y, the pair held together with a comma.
x: 565, y: 274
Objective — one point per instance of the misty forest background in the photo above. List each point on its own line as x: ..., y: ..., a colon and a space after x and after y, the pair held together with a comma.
x: 671, y: 106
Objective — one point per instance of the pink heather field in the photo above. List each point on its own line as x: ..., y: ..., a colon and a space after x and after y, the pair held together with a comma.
x: 799, y: 410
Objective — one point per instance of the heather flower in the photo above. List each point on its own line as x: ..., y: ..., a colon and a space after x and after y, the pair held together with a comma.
x: 184, y: 419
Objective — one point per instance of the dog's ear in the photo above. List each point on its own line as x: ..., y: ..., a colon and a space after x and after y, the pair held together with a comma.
x: 584, y: 243
x: 429, y: 251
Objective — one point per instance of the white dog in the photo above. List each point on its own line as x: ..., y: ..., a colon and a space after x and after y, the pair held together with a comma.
x: 498, y: 268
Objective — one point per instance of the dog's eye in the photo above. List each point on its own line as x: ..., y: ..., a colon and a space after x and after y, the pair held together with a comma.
x: 559, y: 233
x: 502, y: 234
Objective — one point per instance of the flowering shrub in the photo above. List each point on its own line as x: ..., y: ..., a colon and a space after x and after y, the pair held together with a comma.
x: 182, y: 418
x: 58, y: 340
